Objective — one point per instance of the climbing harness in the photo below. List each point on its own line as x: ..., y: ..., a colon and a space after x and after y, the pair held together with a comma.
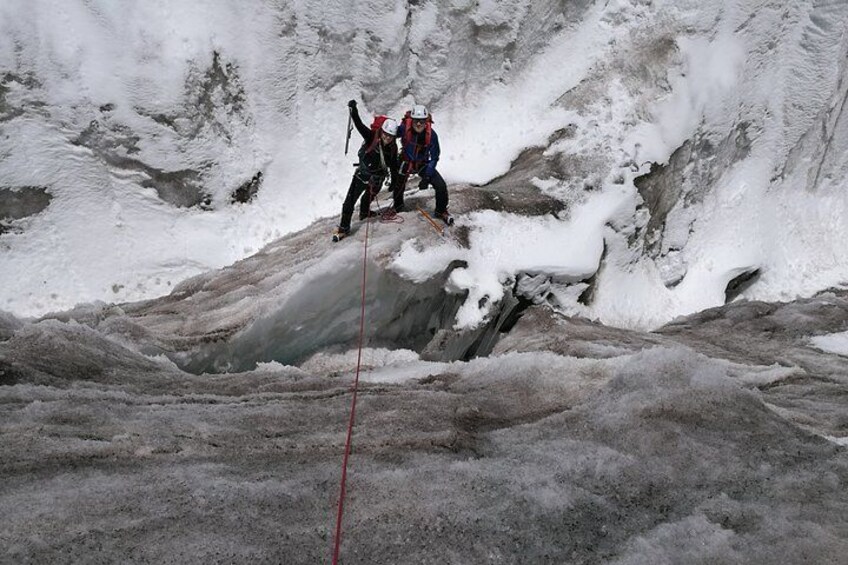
x: 387, y: 215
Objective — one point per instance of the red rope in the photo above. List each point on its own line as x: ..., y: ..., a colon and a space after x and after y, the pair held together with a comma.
x: 343, y: 488
x: 390, y: 216
x: 387, y: 215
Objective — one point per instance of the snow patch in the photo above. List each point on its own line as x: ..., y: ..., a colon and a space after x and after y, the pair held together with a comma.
x: 503, y: 245
x: 831, y: 343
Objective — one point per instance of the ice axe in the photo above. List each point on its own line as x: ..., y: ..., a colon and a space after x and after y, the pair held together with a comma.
x: 349, y: 129
x: 429, y: 218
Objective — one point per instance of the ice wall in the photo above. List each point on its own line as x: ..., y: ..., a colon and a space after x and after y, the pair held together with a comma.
x: 714, y: 133
x: 143, y: 120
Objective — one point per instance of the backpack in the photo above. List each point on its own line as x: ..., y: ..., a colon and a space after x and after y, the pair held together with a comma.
x: 376, y: 126
x: 378, y: 122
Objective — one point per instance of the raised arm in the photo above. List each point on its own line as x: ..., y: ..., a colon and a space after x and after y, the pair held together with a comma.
x: 363, y: 130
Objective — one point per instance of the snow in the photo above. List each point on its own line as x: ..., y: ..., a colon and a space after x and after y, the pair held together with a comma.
x: 710, y: 70
x: 605, y: 73
x: 843, y: 441
x: 378, y: 365
x: 489, y: 128
x: 504, y: 245
x: 831, y: 343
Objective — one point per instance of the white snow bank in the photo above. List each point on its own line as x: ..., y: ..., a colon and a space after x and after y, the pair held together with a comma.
x: 843, y: 441
x: 504, y: 245
x: 377, y: 365
x: 485, y: 130
x: 831, y: 343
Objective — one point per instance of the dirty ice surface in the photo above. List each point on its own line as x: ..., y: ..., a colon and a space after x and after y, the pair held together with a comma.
x: 578, y: 443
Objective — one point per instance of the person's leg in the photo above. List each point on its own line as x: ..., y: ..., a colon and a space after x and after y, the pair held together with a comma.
x: 441, y: 188
x: 356, y: 188
x: 372, y: 188
x: 397, y: 195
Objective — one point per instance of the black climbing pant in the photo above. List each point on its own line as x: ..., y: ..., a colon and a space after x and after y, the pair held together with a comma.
x: 364, y: 190
x: 438, y: 184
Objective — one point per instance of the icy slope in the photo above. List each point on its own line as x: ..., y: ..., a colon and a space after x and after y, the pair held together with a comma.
x: 301, y: 295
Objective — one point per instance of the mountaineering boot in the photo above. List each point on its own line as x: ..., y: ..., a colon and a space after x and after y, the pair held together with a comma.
x: 445, y: 217
x: 340, y: 233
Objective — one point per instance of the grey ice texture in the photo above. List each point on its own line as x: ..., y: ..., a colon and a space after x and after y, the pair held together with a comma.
x: 208, y: 426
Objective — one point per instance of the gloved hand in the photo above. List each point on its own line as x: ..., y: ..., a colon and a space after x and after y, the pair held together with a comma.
x: 351, y: 104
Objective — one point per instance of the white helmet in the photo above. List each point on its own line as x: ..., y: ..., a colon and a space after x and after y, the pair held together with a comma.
x: 419, y: 112
x: 390, y: 126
